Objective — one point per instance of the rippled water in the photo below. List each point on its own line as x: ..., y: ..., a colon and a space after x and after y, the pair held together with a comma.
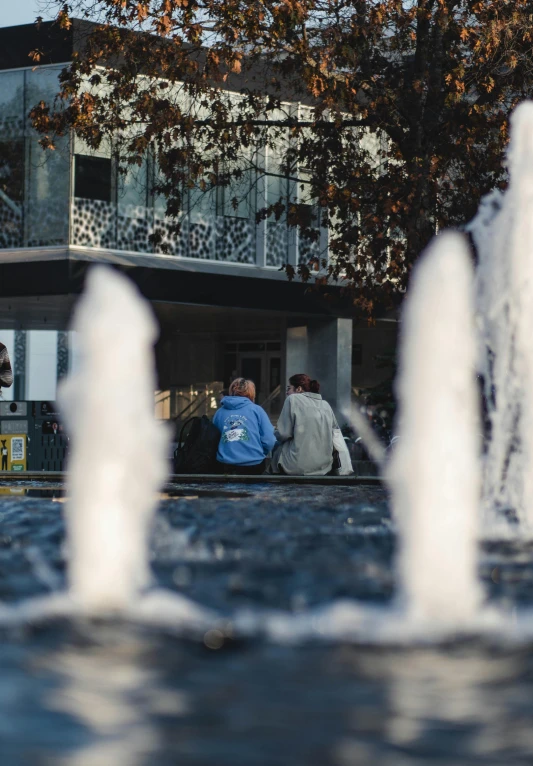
x: 110, y: 692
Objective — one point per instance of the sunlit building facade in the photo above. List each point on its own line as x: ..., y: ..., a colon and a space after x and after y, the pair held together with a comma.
x: 224, y: 307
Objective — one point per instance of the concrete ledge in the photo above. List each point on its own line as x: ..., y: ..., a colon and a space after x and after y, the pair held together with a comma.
x: 273, y: 479
x: 57, y: 477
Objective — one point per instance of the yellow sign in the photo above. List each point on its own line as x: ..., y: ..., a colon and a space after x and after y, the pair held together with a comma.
x: 13, y: 453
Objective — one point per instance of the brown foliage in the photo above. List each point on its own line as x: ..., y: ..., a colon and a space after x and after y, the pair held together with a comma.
x: 430, y: 82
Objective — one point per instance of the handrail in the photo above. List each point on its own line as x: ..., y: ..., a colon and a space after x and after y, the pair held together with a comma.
x: 199, y: 397
x: 192, y: 403
x: 272, y: 395
x: 180, y: 404
x: 196, y: 404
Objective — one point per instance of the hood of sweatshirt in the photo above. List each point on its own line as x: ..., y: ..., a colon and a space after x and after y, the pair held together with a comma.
x: 235, y: 402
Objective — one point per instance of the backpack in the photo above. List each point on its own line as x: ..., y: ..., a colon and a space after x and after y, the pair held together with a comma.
x: 197, y: 452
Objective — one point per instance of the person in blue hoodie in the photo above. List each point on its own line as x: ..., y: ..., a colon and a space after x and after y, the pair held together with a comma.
x: 247, y: 435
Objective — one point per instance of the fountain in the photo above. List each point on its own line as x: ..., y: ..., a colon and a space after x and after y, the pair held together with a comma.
x: 106, y: 688
x: 434, y: 471
x: 439, y: 481
x: 117, y: 463
x: 503, y: 234
x: 118, y: 459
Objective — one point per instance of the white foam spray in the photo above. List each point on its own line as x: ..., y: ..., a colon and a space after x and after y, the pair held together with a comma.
x: 118, y: 458
x: 435, y: 470
x: 505, y: 315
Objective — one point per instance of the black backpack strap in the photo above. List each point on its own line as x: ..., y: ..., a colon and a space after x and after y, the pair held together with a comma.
x: 183, y: 428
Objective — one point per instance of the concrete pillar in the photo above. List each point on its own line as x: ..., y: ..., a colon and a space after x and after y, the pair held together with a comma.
x: 296, y: 351
x: 293, y: 355
x: 323, y: 350
x: 330, y: 362
x: 41, y: 365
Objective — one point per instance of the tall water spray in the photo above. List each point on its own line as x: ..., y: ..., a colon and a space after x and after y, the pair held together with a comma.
x: 503, y: 233
x: 435, y: 471
x: 118, y: 457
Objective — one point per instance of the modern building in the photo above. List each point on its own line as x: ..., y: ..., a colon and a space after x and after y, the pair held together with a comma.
x: 223, y: 304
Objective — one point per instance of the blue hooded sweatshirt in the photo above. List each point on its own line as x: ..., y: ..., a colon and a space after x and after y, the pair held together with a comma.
x: 247, y: 435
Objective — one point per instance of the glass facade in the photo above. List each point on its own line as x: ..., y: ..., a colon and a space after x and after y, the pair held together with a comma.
x: 75, y: 195
x: 34, y: 185
x: 311, y: 248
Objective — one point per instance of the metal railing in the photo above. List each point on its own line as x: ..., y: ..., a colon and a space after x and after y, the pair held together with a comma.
x: 180, y: 403
x: 272, y: 403
x: 272, y: 395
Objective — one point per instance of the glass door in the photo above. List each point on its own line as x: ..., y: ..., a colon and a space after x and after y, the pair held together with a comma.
x: 252, y: 367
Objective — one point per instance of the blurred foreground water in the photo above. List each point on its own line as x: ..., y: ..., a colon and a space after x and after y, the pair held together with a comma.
x: 103, y: 692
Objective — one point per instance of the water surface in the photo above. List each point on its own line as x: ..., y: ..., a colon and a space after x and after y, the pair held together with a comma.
x: 84, y: 693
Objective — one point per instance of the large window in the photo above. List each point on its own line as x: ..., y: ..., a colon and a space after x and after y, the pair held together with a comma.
x: 34, y: 183
x: 93, y: 178
x: 134, y: 186
x: 237, y: 199
x: 202, y: 202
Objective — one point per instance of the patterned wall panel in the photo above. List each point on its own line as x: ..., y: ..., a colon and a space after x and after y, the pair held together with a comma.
x: 202, y: 237
x: 308, y: 250
x: 62, y: 354
x: 105, y: 225
x: 169, y: 241
x: 277, y: 244
x: 135, y: 223
x: 93, y: 223
x: 235, y: 240
x: 20, y: 364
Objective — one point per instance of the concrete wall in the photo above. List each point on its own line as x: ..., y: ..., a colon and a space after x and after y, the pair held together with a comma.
x: 368, y: 343
x: 323, y: 350
x: 41, y: 365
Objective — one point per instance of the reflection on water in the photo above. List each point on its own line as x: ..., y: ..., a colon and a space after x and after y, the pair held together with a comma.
x: 448, y: 706
x: 110, y: 693
x: 105, y: 693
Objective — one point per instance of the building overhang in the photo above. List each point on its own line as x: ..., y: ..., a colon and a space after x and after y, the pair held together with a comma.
x: 32, y: 279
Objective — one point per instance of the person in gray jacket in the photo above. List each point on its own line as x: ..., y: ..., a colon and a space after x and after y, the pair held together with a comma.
x: 305, y: 431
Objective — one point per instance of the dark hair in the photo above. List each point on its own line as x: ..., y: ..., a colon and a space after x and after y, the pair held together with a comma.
x: 305, y: 382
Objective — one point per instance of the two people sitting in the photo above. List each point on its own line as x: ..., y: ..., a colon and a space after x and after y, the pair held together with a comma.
x: 302, y: 444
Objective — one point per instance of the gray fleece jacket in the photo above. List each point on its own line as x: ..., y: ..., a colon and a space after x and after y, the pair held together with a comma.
x: 305, y: 433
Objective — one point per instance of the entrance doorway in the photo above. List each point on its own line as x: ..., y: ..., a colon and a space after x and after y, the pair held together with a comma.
x: 259, y: 361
